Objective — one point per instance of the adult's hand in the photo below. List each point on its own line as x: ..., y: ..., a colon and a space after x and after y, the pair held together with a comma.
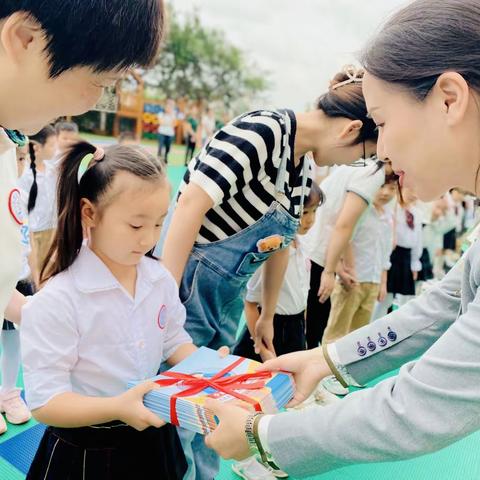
x: 308, y: 368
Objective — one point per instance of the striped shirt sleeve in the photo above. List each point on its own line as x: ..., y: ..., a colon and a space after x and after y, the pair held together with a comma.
x: 236, y: 154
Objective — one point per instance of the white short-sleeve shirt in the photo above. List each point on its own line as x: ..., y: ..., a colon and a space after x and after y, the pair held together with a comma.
x: 292, y: 298
x: 364, y: 181
x: 11, y: 218
x: 84, y: 333
x: 44, y: 214
x: 372, y: 244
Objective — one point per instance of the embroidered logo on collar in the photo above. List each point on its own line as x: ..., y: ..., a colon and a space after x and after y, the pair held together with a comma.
x: 162, y: 317
x: 15, y: 206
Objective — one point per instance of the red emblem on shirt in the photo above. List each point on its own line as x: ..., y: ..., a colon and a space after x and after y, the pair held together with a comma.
x: 162, y: 317
x: 15, y: 206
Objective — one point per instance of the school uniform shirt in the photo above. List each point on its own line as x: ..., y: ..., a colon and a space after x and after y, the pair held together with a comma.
x: 44, y: 215
x: 238, y: 167
x: 11, y: 218
x: 167, y: 124
x: 25, y: 239
x: 407, y: 237
x: 292, y: 298
x: 364, y: 181
x: 372, y: 244
x: 84, y: 333
x: 433, y: 232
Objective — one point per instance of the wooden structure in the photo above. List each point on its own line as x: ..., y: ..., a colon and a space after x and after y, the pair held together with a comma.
x: 130, y: 92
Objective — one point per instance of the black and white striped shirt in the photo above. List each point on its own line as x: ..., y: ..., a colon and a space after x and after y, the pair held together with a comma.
x: 238, y: 169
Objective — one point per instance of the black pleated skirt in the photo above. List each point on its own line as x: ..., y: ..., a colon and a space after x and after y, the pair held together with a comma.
x: 400, y: 277
x: 112, y: 451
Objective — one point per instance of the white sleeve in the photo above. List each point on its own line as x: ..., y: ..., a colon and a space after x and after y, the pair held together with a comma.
x: 49, y: 339
x: 254, y: 287
x: 366, y: 182
x: 175, y: 334
x: 418, y: 246
x: 387, y: 244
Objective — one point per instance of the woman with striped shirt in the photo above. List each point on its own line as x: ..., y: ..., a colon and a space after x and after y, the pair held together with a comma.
x: 239, y: 207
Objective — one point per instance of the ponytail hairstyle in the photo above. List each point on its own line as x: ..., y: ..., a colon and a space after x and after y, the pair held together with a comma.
x: 345, y: 99
x: 93, y: 185
x: 40, y: 138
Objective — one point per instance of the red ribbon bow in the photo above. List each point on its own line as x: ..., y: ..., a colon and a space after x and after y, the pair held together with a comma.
x: 219, y: 382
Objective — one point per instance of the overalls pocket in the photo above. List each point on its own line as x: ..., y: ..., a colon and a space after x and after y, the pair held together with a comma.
x: 251, y: 262
x: 189, y: 280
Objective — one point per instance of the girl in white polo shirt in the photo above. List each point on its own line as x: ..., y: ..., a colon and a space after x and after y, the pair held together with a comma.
x: 107, y: 315
x: 40, y: 181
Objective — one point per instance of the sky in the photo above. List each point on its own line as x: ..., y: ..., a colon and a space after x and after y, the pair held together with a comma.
x: 301, y: 43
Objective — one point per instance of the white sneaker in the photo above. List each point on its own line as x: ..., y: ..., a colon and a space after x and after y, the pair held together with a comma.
x: 3, y: 425
x: 332, y: 385
x: 251, y: 469
x: 15, y: 409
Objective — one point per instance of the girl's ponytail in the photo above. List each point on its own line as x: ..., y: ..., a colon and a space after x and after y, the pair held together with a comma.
x: 32, y: 196
x: 69, y: 234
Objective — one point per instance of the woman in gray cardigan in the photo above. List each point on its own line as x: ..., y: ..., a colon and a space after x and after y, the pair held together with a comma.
x: 422, y: 89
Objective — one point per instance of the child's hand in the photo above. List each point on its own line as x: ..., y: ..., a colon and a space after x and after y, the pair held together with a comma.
x: 131, y: 410
x: 382, y: 292
x: 263, y: 338
x: 327, y: 282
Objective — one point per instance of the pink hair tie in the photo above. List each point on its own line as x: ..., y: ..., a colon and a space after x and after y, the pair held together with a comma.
x: 99, y: 154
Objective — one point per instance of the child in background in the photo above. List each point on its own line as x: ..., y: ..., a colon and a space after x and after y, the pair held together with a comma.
x: 349, y: 190
x: 11, y: 403
x: 40, y: 181
x: 372, y: 244
x: 405, y: 258
x: 437, y: 221
x: 289, y: 319
x: 67, y: 135
x: 107, y: 315
x: 166, y: 131
x: 193, y: 132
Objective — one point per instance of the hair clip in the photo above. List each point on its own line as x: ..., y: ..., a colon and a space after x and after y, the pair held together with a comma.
x: 87, y: 159
x: 83, y: 167
x: 354, y: 74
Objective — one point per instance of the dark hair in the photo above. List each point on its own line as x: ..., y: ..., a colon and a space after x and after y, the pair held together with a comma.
x: 347, y: 101
x: 40, y: 138
x: 93, y: 185
x: 105, y: 35
x: 315, y: 197
x: 66, y: 127
x: 424, y: 40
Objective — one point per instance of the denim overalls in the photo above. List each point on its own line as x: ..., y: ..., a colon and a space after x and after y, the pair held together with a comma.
x: 214, y: 283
